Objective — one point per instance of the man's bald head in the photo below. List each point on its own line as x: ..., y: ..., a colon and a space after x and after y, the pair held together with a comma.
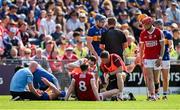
x: 33, y: 66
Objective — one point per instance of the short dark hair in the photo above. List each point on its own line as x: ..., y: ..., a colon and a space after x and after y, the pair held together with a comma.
x: 76, y: 34
x: 92, y: 58
x: 79, y: 29
x: 104, y: 54
x: 175, y: 30
x: 84, y: 67
x: 112, y: 21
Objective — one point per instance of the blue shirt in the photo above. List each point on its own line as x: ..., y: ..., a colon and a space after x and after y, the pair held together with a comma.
x: 20, y: 80
x: 38, y: 74
x: 168, y: 36
x: 96, y: 34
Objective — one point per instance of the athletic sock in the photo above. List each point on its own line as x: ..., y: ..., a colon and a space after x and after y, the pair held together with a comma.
x: 165, y: 93
x: 156, y: 88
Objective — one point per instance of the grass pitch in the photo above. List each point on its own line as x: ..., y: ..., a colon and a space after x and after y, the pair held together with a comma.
x: 173, y: 103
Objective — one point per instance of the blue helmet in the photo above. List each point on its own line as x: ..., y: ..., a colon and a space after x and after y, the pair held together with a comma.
x: 100, y: 17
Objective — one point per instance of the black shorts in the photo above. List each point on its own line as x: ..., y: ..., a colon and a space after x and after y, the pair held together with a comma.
x: 112, y: 82
x: 24, y: 95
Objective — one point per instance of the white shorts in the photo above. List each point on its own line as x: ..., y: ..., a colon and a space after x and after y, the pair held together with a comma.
x: 150, y: 63
x: 166, y: 64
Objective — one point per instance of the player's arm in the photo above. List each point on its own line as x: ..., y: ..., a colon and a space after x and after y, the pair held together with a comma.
x: 71, y: 89
x: 95, y: 89
x: 76, y: 64
x: 33, y: 90
x: 141, y: 51
x: 162, y: 45
x: 91, y: 48
x: 102, y: 42
x: 171, y: 46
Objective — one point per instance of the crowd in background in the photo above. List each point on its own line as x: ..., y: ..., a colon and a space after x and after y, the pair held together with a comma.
x: 56, y: 30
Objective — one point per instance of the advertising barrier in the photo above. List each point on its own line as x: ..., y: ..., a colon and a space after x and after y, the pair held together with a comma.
x: 134, y: 82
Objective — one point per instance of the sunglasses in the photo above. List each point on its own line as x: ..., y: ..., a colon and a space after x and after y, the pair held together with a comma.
x: 27, y: 53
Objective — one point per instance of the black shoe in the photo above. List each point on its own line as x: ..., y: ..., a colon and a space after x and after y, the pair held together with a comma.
x: 114, y: 98
x: 164, y: 98
x: 151, y: 99
x: 131, y: 97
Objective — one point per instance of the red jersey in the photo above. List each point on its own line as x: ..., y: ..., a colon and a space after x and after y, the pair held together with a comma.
x: 152, y: 43
x: 83, y: 87
x: 71, y: 59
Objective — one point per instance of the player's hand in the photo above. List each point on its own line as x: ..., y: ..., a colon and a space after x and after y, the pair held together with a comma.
x: 39, y: 92
x: 141, y: 61
x: 158, y: 62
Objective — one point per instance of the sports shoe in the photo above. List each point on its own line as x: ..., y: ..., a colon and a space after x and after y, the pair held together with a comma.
x: 164, y: 98
x: 151, y: 99
x: 114, y: 98
x: 131, y: 96
x: 157, y: 96
x: 16, y: 98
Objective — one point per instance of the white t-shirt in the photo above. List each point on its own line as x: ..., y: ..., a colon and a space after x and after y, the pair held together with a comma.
x: 48, y: 27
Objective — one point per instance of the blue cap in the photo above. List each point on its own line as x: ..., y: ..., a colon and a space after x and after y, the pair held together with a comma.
x: 100, y: 17
x: 159, y: 22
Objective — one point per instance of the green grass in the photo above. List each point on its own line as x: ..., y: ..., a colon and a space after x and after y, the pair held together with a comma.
x: 173, y: 103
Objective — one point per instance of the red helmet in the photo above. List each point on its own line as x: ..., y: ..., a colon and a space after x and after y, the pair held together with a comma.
x: 147, y: 20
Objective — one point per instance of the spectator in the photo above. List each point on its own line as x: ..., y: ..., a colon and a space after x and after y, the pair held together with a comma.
x: 50, y: 45
x: 47, y: 25
x: 11, y: 40
x: 42, y: 16
x: 13, y: 58
x: 32, y: 6
x: 21, y: 19
x: 69, y: 56
x: 61, y: 20
x: 58, y: 33
x: 50, y: 5
x: 41, y: 59
x: 80, y: 50
x: 73, y: 22
x: 24, y: 35
x: 108, y: 8
x: 83, y: 21
x: 176, y: 37
x: 62, y: 47
x: 21, y: 8
x: 95, y: 4
x: 45, y: 39
x: 130, y: 51
x: 31, y: 18
x: 33, y: 50
x: 76, y: 37
x: 4, y: 9
x: 27, y: 57
x: 121, y: 6
x: 55, y: 63
x: 13, y: 12
x: 123, y: 17
x: 173, y: 13
x: 135, y: 24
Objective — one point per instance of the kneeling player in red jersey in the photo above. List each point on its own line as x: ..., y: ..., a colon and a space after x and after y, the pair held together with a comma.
x: 85, y: 88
